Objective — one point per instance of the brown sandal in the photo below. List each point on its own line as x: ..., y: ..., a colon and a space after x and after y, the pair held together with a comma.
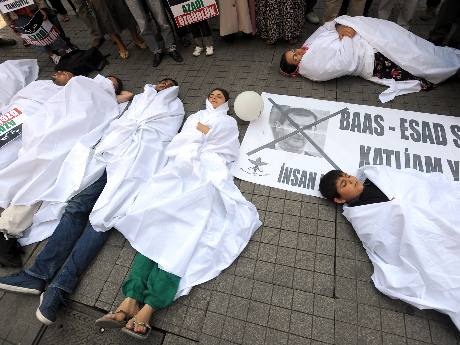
x: 104, y: 322
x: 140, y: 336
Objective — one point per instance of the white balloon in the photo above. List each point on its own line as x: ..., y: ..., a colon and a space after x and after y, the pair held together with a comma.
x: 248, y: 105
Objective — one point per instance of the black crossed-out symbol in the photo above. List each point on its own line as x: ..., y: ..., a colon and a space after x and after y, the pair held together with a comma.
x: 300, y: 130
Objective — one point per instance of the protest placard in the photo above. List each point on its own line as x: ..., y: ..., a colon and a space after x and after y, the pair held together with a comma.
x: 11, y: 5
x: 187, y: 12
x: 296, y: 140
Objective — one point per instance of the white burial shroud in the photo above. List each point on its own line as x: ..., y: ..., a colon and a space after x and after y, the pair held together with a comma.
x: 190, y: 218
x: 329, y: 57
x: 413, y: 240
x: 133, y: 150
x: 14, y: 75
x: 30, y: 101
x: 70, y: 123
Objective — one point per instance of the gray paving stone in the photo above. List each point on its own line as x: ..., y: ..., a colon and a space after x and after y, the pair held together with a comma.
x: 254, y: 335
x: 275, y: 337
x: 442, y: 334
x: 369, y: 336
x: 323, y: 330
x: 264, y: 271
x: 369, y: 316
x: 324, y: 264
x: 303, y: 280
x: 290, y: 222
x: 305, y: 260
x: 270, y: 235
x: 238, y: 308
x: 288, y: 239
x: 306, y: 242
x: 346, y: 334
x: 275, y: 204
x: 391, y: 339
x: 417, y: 328
x: 323, y: 284
x: 218, y: 302
x: 283, y: 275
x: 194, y: 319
x: 345, y: 288
x: 308, y: 225
x: 393, y: 322
x: 233, y: 330
x: 213, y: 324
x: 245, y: 266
x: 279, y: 318
x: 324, y: 306
x: 286, y: 256
x: 346, y: 310
x: 282, y: 296
x: 296, y: 340
x: 367, y: 293
x: 309, y: 210
x: 325, y: 245
x: 258, y: 313
x: 242, y: 287
x: 326, y: 229
x: 262, y: 291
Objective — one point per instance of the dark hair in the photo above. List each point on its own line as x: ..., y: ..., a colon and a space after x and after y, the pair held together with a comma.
x: 285, y: 66
x: 119, y: 86
x: 328, y: 184
x: 224, y: 92
x: 170, y: 79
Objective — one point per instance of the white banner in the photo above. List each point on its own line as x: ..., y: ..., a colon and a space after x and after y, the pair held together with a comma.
x: 298, y: 140
x: 11, y: 5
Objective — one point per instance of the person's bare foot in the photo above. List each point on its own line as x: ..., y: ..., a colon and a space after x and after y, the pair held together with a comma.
x: 126, y: 309
x: 140, y: 322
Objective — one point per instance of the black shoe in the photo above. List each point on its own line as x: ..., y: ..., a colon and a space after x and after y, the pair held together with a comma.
x: 175, y: 55
x: 157, y: 57
x: 10, y: 252
x: 6, y: 42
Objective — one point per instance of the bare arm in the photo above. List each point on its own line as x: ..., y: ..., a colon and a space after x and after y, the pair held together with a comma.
x: 125, y: 96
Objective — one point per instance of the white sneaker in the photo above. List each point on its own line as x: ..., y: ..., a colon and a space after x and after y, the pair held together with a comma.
x: 209, y: 50
x: 312, y: 18
x: 197, y: 51
x: 55, y: 58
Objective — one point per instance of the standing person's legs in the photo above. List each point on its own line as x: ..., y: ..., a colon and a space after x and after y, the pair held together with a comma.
x: 384, y: 9
x: 406, y: 12
x: 449, y: 13
x: 58, y: 6
x: 85, y: 14
x: 309, y: 14
x: 367, y: 6
x: 159, y: 14
x: 356, y: 7
x: 331, y: 9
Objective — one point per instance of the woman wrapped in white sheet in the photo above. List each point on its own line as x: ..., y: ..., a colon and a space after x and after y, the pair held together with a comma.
x: 374, y: 49
x: 189, y: 222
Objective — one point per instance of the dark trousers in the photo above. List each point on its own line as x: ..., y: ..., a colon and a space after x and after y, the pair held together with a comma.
x: 309, y: 4
x: 449, y: 13
x: 433, y: 3
x: 200, y: 29
x: 74, y: 243
x: 58, y: 6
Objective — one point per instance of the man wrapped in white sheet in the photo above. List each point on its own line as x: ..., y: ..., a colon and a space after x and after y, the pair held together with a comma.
x: 14, y: 75
x: 408, y: 224
x: 188, y: 222
x: 134, y: 147
x: 63, y: 120
x: 350, y: 45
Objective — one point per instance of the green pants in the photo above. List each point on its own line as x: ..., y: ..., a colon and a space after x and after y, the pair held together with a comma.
x: 149, y: 284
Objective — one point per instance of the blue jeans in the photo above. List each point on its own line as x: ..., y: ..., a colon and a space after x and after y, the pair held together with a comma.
x: 74, y: 243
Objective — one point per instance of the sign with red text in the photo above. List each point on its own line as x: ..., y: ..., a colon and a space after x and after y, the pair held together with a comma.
x: 297, y: 140
x: 187, y: 12
x: 11, y: 125
x: 12, y: 5
x: 37, y: 31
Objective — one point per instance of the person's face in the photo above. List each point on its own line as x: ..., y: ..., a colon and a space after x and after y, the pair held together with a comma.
x: 114, y: 82
x: 216, y: 98
x: 61, y: 78
x: 294, y: 143
x: 349, y: 188
x: 294, y: 56
x: 163, y: 85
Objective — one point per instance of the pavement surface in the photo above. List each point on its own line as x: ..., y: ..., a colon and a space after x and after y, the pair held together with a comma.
x: 304, y: 278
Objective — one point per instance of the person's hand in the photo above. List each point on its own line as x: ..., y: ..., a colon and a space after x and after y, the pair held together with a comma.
x: 202, y: 128
x: 125, y: 96
x: 345, y: 31
x: 45, y: 15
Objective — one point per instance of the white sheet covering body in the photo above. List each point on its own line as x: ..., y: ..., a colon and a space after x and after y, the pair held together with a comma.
x: 413, y: 240
x: 30, y: 101
x: 329, y: 57
x: 73, y: 121
x: 190, y: 218
x: 133, y: 150
x: 14, y: 75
